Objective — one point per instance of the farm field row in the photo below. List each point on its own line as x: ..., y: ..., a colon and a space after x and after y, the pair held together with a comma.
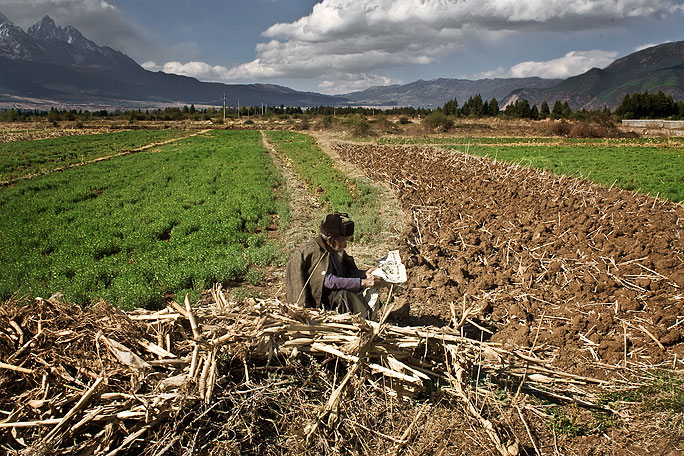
x: 334, y: 189
x: 651, y: 170
x: 132, y: 229
x: 540, y: 140
x: 652, y: 166
x: 592, y: 276
x: 22, y: 158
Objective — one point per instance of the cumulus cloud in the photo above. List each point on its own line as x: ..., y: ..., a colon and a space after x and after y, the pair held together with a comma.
x: 571, y: 64
x: 98, y: 20
x: 354, y: 37
x: 199, y: 70
x: 349, y: 43
x: 646, y: 46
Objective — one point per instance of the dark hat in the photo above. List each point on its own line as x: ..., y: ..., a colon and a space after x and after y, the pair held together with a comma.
x: 337, y: 225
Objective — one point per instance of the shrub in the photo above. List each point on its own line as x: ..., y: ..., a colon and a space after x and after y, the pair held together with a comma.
x: 359, y: 127
x: 437, y: 120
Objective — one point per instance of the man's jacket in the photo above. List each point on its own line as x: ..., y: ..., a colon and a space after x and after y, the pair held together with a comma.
x: 306, y: 271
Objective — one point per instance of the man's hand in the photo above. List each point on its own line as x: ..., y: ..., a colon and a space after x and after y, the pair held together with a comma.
x: 371, y: 280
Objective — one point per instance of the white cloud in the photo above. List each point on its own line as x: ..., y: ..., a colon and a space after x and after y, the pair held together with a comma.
x: 571, y: 64
x: 646, y: 46
x: 345, y: 43
x: 98, y: 20
x: 354, y: 82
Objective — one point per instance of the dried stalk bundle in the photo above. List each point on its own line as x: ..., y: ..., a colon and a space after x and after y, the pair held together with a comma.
x: 101, y: 381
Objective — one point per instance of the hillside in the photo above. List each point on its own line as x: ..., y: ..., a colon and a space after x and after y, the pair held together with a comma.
x: 656, y: 68
x: 50, y: 65
x: 431, y: 94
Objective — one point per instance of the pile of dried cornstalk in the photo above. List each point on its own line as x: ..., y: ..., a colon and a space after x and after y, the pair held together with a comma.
x: 102, y: 381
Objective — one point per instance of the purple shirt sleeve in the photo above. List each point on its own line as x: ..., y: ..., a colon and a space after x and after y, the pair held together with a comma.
x: 334, y: 282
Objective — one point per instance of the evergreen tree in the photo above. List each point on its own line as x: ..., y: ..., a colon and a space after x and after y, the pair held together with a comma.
x: 567, y: 112
x: 476, y: 106
x: 523, y: 109
x: 557, y: 110
x: 451, y: 107
x: 544, y: 110
x: 534, y: 114
x: 493, y: 107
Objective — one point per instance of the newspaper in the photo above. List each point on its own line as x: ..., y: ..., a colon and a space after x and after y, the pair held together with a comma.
x: 391, y: 270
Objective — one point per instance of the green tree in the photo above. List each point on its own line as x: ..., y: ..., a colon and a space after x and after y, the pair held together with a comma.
x: 567, y: 112
x: 557, y: 110
x: 534, y: 113
x: 523, y: 109
x: 53, y: 116
x: 475, y: 106
x: 544, y: 111
x: 493, y: 107
x: 451, y: 107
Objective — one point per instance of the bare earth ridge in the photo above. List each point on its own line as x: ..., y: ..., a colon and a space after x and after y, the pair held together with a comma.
x: 590, y: 272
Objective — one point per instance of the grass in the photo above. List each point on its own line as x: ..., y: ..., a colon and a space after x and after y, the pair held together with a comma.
x: 133, y: 229
x: 648, y: 165
x: 21, y: 158
x: 473, y: 141
x: 654, y: 170
x: 334, y: 189
x: 664, y: 392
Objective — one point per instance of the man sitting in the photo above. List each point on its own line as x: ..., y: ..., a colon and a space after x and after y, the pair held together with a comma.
x: 320, y: 273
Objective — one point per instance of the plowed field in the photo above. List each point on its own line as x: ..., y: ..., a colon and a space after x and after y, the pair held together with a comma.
x: 590, y: 273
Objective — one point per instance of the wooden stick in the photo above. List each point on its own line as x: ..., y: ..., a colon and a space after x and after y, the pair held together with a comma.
x: 16, y: 368
x: 193, y: 362
x: 191, y: 317
x: 70, y: 414
x: 624, y: 332
x: 179, y: 309
x: 17, y: 328
x: 155, y: 349
x: 24, y: 347
x: 648, y: 333
x: 404, y: 439
x: 211, y: 380
x: 527, y: 428
x: 485, y: 423
x: 23, y: 424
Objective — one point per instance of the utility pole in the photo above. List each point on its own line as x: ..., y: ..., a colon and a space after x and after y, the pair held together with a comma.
x: 224, y: 107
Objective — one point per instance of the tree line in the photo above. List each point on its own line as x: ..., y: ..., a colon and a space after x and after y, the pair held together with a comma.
x: 650, y: 106
x: 634, y: 106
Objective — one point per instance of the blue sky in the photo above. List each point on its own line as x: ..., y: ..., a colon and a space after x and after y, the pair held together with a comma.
x: 339, y: 46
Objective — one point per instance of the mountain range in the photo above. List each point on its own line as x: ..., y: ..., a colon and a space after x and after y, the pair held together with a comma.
x: 49, y: 65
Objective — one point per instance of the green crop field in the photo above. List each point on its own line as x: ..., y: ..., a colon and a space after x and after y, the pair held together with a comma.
x: 335, y: 189
x: 648, y: 165
x: 21, y: 158
x: 654, y: 170
x: 135, y: 228
x: 542, y: 140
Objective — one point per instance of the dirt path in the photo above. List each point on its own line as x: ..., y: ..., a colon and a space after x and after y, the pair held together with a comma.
x: 306, y: 213
x: 393, y: 217
x: 305, y: 210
